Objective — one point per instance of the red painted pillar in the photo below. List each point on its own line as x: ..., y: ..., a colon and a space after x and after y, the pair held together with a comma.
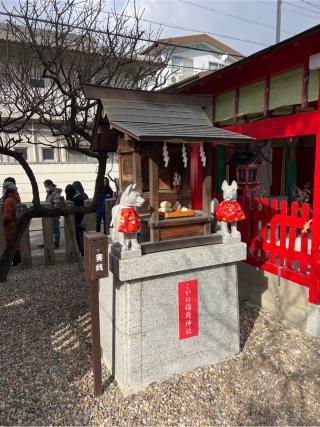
x: 196, y: 177
x: 314, y: 291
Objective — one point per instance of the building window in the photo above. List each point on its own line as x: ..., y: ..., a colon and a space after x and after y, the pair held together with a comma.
x: 47, y: 154
x: 23, y: 151
x: 76, y: 157
x: 185, y: 66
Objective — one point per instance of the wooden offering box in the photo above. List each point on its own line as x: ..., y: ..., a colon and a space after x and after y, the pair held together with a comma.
x: 152, y: 133
x: 178, y: 213
x: 145, y: 166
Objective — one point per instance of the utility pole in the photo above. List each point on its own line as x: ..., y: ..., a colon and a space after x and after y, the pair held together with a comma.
x: 278, y: 34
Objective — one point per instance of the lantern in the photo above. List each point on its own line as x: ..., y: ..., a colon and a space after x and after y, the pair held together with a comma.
x: 247, y: 166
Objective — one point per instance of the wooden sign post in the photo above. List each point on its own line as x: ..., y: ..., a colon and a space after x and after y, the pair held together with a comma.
x: 96, y: 267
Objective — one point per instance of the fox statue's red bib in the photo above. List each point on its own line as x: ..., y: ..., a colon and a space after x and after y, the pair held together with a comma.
x: 129, y: 222
x: 125, y: 221
x: 229, y: 211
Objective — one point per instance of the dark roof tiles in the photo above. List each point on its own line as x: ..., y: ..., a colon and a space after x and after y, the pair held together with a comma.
x: 146, y: 121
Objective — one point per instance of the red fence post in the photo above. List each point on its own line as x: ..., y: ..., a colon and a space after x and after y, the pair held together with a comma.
x: 314, y: 291
x: 275, y: 238
x: 305, y: 257
x: 273, y: 229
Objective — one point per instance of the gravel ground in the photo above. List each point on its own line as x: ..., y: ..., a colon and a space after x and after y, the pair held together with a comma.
x: 45, y: 375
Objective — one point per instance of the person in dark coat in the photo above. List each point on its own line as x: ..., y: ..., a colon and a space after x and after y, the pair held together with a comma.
x: 79, y: 188
x: 106, y: 193
x: 54, y: 199
x: 78, y: 200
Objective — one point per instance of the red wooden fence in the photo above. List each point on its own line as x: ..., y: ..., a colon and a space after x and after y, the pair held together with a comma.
x: 276, y: 240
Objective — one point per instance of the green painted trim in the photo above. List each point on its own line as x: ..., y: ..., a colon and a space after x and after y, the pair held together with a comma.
x: 291, y: 171
x: 221, y: 159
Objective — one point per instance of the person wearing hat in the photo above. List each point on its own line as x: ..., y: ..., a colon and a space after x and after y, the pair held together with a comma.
x: 54, y: 199
x: 10, y: 200
x: 8, y: 179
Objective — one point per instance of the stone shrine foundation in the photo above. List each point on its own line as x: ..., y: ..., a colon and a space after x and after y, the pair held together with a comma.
x: 139, y: 313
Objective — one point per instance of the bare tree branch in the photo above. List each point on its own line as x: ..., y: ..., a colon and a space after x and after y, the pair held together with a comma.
x: 49, y: 49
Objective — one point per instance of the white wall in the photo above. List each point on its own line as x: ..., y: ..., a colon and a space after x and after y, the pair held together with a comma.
x: 201, y: 61
x: 60, y: 173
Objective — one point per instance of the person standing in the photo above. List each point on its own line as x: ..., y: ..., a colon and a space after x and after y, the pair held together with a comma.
x: 78, y: 200
x: 79, y: 188
x: 106, y: 193
x: 54, y: 199
x: 10, y: 200
x: 8, y: 179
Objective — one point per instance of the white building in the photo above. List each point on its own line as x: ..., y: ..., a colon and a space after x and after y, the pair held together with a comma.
x: 193, y: 55
x: 199, y: 54
x: 56, y: 163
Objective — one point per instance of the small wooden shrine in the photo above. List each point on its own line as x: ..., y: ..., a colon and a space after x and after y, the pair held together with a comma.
x: 152, y: 133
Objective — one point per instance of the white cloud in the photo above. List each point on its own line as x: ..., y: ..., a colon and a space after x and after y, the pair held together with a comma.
x: 176, y: 13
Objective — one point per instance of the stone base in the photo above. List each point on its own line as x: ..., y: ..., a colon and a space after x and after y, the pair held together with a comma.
x: 231, y: 239
x: 284, y: 298
x: 116, y: 251
x: 139, y: 313
x: 313, y: 320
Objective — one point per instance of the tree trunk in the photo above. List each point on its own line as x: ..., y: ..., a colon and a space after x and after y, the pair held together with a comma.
x: 20, y: 159
x: 33, y: 212
x: 10, y: 249
x: 11, y: 245
x: 38, y: 211
x: 99, y: 180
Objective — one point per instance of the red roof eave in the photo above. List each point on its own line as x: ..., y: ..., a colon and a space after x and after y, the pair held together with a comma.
x: 275, y: 59
x: 306, y: 123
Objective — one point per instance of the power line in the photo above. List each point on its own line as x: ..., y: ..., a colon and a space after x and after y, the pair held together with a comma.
x: 191, y: 29
x: 299, y: 7
x: 231, y: 15
x: 126, y: 36
x: 156, y: 42
x: 267, y: 3
x: 289, y: 10
x: 301, y: 13
x: 191, y: 68
x: 311, y: 4
x: 186, y: 28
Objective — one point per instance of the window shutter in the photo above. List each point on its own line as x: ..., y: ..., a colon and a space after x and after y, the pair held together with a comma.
x: 251, y: 99
x: 313, y: 85
x: 224, y: 106
x: 286, y: 89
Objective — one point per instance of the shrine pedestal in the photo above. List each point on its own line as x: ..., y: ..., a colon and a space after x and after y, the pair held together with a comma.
x: 144, y: 313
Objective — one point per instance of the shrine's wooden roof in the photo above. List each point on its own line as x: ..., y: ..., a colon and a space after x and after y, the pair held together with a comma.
x: 154, y: 116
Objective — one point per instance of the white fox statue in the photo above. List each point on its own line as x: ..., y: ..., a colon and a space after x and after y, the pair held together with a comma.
x: 125, y: 221
x: 229, y: 210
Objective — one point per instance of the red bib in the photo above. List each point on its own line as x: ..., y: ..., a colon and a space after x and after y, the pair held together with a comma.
x: 129, y: 221
x: 229, y: 212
